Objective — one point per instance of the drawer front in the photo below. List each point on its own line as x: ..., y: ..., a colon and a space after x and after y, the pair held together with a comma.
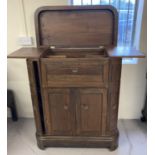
x: 73, y: 74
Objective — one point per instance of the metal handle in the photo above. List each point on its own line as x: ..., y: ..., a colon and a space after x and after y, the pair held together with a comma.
x: 75, y: 70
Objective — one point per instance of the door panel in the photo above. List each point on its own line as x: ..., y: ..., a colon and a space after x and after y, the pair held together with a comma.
x: 91, y: 111
x: 59, y: 112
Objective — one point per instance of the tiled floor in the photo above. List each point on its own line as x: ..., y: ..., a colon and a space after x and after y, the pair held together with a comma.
x: 21, y: 140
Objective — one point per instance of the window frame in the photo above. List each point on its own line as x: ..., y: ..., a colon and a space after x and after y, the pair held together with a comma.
x: 138, y: 11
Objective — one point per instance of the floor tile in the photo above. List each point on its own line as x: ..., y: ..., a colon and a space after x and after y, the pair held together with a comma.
x: 22, y: 141
x: 136, y: 133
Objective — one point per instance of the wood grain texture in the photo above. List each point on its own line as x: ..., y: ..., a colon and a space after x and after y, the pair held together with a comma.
x: 78, y: 141
x: 92, y: 111
x: 124, y: 52
x: 76, y: 26
x: 26, y: 52
x: 69, y: 111
x: 34, y: 80
x: 113, y: 95
x: 72, y: 73
x: 59, y: 110
x: 75, y: 86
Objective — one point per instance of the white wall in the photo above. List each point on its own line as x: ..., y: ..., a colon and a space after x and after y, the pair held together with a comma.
x: 133, y: 80
x: 17, y: 26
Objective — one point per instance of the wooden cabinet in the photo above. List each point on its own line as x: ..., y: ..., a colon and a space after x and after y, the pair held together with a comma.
x: 60, y: 112
x: 91, y: 111
x: 69, y: 111
x: 74, y: 75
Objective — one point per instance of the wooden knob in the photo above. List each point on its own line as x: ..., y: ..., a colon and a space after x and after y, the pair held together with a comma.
x: 66, y: 107
x: 85, y: 107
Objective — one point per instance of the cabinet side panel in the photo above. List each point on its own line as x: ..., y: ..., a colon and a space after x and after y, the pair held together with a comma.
x: 113, y: 94
x: 104, y: 111
x: 33, y: 72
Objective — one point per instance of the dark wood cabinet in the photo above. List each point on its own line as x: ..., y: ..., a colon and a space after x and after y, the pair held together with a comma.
x: 91, y: 111
x: 74, y: 75
x: 70, y: 111
x: 60, y: 112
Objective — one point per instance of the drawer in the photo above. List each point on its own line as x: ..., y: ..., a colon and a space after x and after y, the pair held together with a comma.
x: 55, y: 74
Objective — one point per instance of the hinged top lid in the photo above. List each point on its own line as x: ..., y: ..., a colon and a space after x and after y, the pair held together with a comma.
x: 76, y: 26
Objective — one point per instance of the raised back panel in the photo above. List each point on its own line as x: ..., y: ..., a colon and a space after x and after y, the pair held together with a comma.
x: 76, y: 26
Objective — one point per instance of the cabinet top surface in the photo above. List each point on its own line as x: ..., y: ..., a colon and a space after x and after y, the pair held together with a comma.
x: 76, y: 26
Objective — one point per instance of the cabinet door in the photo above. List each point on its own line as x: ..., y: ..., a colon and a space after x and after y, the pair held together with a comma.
x: 91, y: 112
x: 59, y: 112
